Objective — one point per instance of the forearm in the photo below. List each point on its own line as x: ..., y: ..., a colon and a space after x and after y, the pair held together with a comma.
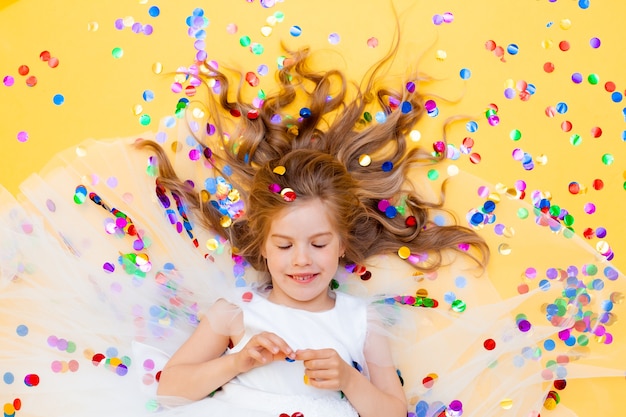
x: 369, y: 401
x: 196, y: 381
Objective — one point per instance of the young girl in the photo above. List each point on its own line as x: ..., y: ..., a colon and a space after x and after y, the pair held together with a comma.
x: 299, y: 318
x: 283, y: 263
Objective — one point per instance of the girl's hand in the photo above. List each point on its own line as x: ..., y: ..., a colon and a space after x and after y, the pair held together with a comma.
x: 262, y: 349
x: 324, y: 368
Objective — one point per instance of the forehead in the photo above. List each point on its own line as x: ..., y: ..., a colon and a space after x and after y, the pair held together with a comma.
x: 303, y: 216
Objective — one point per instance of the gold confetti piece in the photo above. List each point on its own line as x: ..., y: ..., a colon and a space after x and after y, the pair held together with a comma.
x: 280, y: 170
x: 212, y: 244
x: 365, y: 160
x: 404, y: 252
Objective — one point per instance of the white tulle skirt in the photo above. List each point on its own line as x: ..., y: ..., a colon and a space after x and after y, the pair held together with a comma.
x: 99, y: 284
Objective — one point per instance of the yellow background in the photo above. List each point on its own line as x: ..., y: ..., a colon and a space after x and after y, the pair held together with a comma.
x: 102, y: 94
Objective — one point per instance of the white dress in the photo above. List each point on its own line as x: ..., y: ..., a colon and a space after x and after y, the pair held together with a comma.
x: 279, y: 387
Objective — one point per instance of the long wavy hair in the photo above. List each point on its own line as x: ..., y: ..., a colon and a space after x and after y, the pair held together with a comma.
x: 322, y: 150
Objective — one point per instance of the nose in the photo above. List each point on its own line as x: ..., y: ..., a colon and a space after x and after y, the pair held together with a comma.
x: 301, y: 256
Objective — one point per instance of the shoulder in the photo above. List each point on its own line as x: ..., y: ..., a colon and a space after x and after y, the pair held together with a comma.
x: 223, y: 317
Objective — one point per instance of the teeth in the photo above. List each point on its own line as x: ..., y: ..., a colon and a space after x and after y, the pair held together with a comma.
x: 301, y: 277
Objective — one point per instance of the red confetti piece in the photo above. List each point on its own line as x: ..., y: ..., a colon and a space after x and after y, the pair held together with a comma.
x: 598, y: 184
x: 53, y: 62
x: 97, y: 358
x: 410, y: 221
x: 548, y: 67
x: 190, y: 91
x: 428, y: 382
x: 489, y: 344
x: 252, y: 79
x: 596, y: 132
x: 566, y: 126
x: 31, y: 380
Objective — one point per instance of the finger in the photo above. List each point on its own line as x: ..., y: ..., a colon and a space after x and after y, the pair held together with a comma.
x: 279, y: 345
x: 307, y: 354
x: 254, y: 355
x: 321, y: 380
x: 274, y: 345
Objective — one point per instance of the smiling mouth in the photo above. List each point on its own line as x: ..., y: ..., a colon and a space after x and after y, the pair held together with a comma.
x: 303, y: 278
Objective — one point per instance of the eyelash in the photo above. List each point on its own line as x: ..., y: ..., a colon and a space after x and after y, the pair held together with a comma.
x: 289, y: 246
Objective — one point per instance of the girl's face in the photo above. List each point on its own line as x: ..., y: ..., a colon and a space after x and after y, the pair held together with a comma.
x: 302, y: 251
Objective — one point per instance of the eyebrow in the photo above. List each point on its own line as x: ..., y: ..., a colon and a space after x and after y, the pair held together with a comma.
x: 311, y: 237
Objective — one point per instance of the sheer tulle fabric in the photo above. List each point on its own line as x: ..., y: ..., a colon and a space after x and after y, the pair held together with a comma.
x: 91, y: 308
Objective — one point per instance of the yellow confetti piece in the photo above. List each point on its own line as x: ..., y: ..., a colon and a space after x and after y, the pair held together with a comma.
x: 176, y: 146
x: 441, y: 55
x: 508, y: 232
x: 506, y: 404
x: 404, y: 252
x: 197, y: 113
x: 88, y: 353
x: 226, y: 221
x: 504, y: 249
x: 115, y: 361
x: 157, y: 68
x: 234, y: 196
x: 422, y: 292
x: 549, y: 404
x: 280, y: 170
x: 306, y: 379
x: 541, y: 159
x: 266, y: 31
x: 494, y: 197
x: 165, y: 321
x: 565, y: 24
x: 142, y: 259
x: 212, y: 244
x: 365, y: 160
x: 603, y: 247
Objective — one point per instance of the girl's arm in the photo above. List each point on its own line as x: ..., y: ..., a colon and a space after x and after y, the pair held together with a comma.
x: 199, y: 367
x: 381, y: 395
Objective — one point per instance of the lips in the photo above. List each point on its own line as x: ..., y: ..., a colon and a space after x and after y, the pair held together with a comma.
x: 303, y: 278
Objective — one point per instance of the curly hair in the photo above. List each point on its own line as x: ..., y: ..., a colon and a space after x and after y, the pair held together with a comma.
x: 323, y: 152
